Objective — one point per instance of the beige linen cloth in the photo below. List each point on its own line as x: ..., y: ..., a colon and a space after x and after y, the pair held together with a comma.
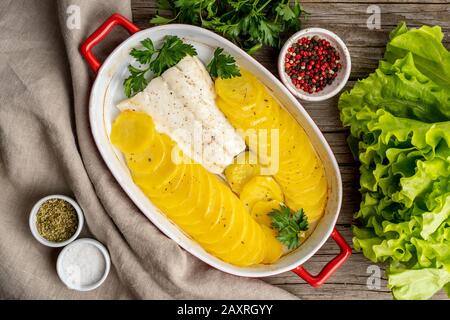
x: 46, y: 147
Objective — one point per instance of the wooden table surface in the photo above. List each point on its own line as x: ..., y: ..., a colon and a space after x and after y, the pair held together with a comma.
x: 347, y: 19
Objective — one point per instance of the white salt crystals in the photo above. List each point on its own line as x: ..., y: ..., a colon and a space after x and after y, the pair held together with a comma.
x: 83, y: 265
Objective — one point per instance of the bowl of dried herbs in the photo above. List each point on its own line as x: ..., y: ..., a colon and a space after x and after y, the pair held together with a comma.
x: 56, y: 220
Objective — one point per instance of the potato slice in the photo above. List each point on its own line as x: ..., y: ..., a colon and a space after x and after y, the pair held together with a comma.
x: 143, y: 162
x: 241, y: 91
x: 190, y: 202
x: 261, y: 209
x: 234, y: 250
x: 312, y: 201
x: 234, y: 233
x: 178, y: 194
x: 243, y: 248
x: 259, y: 188
x: 150, y: 159
x: 164, y: 187
x: 132, y: 131
x: 238, y: 118
x: 253, y: 254
x: 238, y: 174
x: 224, y: 222
x: 274, y: 248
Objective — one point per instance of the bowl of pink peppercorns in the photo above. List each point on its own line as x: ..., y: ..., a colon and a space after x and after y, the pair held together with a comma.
x: 314, y: 64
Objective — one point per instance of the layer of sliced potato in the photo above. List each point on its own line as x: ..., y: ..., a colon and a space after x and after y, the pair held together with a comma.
x: 196, y: 200
x: 300, y: 173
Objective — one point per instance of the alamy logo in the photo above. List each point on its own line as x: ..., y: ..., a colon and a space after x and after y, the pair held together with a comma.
x: 374, y: 20
x: 73, y: 20
x: 197, y: 140
x: 374, y: 279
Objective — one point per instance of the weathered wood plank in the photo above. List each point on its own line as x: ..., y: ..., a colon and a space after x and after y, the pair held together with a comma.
x: 338, y: 144
x: 351, y: 196
x: 355, y: 14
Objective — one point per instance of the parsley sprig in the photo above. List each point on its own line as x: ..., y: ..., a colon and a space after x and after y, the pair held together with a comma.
x: 290, y: 225
x: 223, y: 65
x: 248, y: 23
x: 171, y: 52
x: 156, y: 60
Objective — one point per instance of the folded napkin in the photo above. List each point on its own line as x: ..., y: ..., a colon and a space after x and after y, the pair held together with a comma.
x: 46, y: 147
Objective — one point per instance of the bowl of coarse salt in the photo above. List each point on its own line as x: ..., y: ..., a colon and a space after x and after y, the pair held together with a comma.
x: 83, y: 265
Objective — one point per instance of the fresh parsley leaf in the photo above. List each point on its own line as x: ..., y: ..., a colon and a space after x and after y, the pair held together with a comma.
x: 188, y: 11
x: 230, y: 31
x: 144, y: 56
x: 161, y: 20
x: 280, y: 217
x: 248, y: 23
x: 255, y: 48
x: 155, y: 60
x: 172, y: 51
x: 211, y: 8
x: 223, y: 65
x: 300, y: 220
x: 136, y: 82
x: 289, y: 238
x: 298, y: 9
x: 165, y: 4
x: 237, y: 4
x: 290, y: 15
x: 269, y: 33
x: 285, y: 12
x: 290, y: 225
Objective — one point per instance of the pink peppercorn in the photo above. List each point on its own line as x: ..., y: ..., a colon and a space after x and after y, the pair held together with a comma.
x: 312, y: 64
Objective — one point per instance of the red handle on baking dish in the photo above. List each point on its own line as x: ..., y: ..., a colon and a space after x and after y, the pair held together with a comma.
x: 330, y: 267
x: 100, y: 34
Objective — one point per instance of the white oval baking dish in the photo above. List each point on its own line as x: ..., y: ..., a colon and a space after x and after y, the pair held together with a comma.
x: 107, y: 91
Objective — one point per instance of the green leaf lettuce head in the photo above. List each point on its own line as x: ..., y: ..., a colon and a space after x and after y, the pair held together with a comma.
x: 399, y: 120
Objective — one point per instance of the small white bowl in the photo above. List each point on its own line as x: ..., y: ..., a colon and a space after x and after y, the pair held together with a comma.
x: 343, y: 74
x: 33, y: 227
x: 65, y: 278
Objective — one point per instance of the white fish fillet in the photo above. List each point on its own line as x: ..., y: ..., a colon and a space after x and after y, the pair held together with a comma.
x: 182, y: 105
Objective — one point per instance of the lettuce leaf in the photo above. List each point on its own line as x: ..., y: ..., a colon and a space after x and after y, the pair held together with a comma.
x: 425, y: 44
x: 401, y: 89
x: 399, y: 120
x: 418, y: 284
